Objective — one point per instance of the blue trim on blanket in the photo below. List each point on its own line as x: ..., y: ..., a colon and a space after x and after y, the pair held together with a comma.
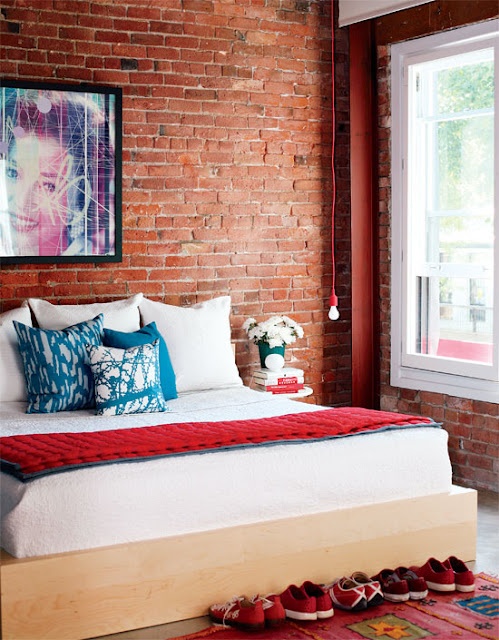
x: 13, y: 469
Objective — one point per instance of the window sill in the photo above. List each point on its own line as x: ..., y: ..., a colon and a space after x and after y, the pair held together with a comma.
x: 449, y: 384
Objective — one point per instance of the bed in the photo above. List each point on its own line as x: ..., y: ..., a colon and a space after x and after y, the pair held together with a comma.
x: 104, y: 548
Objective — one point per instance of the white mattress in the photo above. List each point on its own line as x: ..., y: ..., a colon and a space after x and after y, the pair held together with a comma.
x: 117, y: 503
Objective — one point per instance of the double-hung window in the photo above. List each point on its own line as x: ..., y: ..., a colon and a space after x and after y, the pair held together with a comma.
x: 445, y: 221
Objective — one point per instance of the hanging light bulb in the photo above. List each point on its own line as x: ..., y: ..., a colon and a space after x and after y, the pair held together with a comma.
x: 333, y: 314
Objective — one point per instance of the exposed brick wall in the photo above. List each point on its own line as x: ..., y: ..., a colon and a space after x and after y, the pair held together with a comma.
x: 226, y: 159
x: 473, y: 426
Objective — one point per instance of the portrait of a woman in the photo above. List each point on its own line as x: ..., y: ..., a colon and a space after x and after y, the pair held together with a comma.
x: 57, y: 173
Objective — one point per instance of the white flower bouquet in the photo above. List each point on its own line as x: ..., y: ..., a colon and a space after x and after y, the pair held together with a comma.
x: 277, y: 331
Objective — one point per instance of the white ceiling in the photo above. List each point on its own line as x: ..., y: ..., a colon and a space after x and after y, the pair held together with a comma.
x: 351, y: 11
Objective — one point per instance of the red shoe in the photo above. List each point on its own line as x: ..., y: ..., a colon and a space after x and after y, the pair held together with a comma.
x: 239, y: 612
x: 298, y: 605
x: 418, y: 589
x: 372, y: 588
x: 463, y: 577
x: 437, y: 576
x: 347, y: 595
x: 394, y: 589
x: 323, y: 601
x: 273, y: 610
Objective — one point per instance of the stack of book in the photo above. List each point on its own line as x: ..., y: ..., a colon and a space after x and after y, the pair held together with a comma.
x: 286, y: 380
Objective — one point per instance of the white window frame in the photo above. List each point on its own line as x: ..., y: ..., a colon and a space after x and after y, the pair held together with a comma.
x: 472, y: 381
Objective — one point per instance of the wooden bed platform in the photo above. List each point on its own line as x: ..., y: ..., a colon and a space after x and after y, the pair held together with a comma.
x: 112, y: 589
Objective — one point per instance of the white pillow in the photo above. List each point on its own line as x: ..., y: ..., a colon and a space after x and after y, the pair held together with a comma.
x: 12, y: 381
x: 198, y: 341
x: 121, y: 315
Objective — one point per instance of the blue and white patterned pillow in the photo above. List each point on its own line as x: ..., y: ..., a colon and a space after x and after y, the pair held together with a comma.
x: 58, y: 377
x: 146, y: 335
x: 127, y: 380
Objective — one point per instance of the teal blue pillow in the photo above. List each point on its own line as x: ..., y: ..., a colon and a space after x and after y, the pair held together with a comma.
x: 126, y: 380
x: 58, y: 376
x: 146, y: 335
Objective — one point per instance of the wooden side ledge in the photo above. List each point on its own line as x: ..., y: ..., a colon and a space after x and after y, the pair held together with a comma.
x: 112, y: 589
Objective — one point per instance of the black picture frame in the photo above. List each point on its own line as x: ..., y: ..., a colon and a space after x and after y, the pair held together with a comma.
x: 60, y: 173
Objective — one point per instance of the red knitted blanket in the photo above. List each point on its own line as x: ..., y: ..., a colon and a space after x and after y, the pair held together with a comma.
x: 30, y: 456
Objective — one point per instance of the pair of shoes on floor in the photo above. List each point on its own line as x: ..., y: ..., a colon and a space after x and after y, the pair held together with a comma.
x: 401, y: 584
x: 249, y: 614
x: 308, y: 602
x: 355, y: 593
x: 450, y: 575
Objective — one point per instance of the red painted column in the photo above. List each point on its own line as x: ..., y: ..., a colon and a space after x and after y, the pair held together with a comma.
x: 363, y: 218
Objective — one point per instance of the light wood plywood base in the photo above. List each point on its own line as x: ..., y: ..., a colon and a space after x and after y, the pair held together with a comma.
x: 112, y: 589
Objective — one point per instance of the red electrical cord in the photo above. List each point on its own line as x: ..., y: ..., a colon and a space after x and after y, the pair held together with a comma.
x: 333, y: 300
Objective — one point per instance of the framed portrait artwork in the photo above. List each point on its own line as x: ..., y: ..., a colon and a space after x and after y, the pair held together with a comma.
x: 60, y: 173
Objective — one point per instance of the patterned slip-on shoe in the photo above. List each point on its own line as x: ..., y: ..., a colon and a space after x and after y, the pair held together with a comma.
x: 394, y: 589
x: 347, y: 595
x: 322, y: 598
x: 239, y: 612
x: 298, y: 605
x: 372, y: 588
x: 463, y: 577
x: 437, y: 576
x: 418, y: 589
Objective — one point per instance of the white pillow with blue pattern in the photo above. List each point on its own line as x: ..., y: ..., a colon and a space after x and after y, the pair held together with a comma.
x: 58, y: 377
x: 127, y: 380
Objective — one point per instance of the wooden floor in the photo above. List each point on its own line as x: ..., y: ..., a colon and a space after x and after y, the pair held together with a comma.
x: 487, y: 560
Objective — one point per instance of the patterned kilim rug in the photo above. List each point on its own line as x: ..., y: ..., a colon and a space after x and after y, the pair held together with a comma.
x: 453, y: 616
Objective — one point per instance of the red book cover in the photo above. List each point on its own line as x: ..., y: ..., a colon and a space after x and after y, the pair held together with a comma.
x: 290, y: 380
x: 279, y: 380
x: 288, y: 388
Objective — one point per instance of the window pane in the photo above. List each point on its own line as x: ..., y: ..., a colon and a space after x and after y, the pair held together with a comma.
x: 452, y: 208
x: 454, y: 319
x: 464, y: 86
x: 464, y: 168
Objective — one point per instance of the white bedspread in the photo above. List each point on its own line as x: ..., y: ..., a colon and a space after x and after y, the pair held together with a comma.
x: 112, y: 504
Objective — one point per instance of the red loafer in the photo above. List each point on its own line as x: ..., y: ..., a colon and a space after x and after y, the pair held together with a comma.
x: 394, y: 588
x: 298, y: 605
x: 463, y: 577
x: 322, y: 599
x: 418, y: 589
x: 437, y: 576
